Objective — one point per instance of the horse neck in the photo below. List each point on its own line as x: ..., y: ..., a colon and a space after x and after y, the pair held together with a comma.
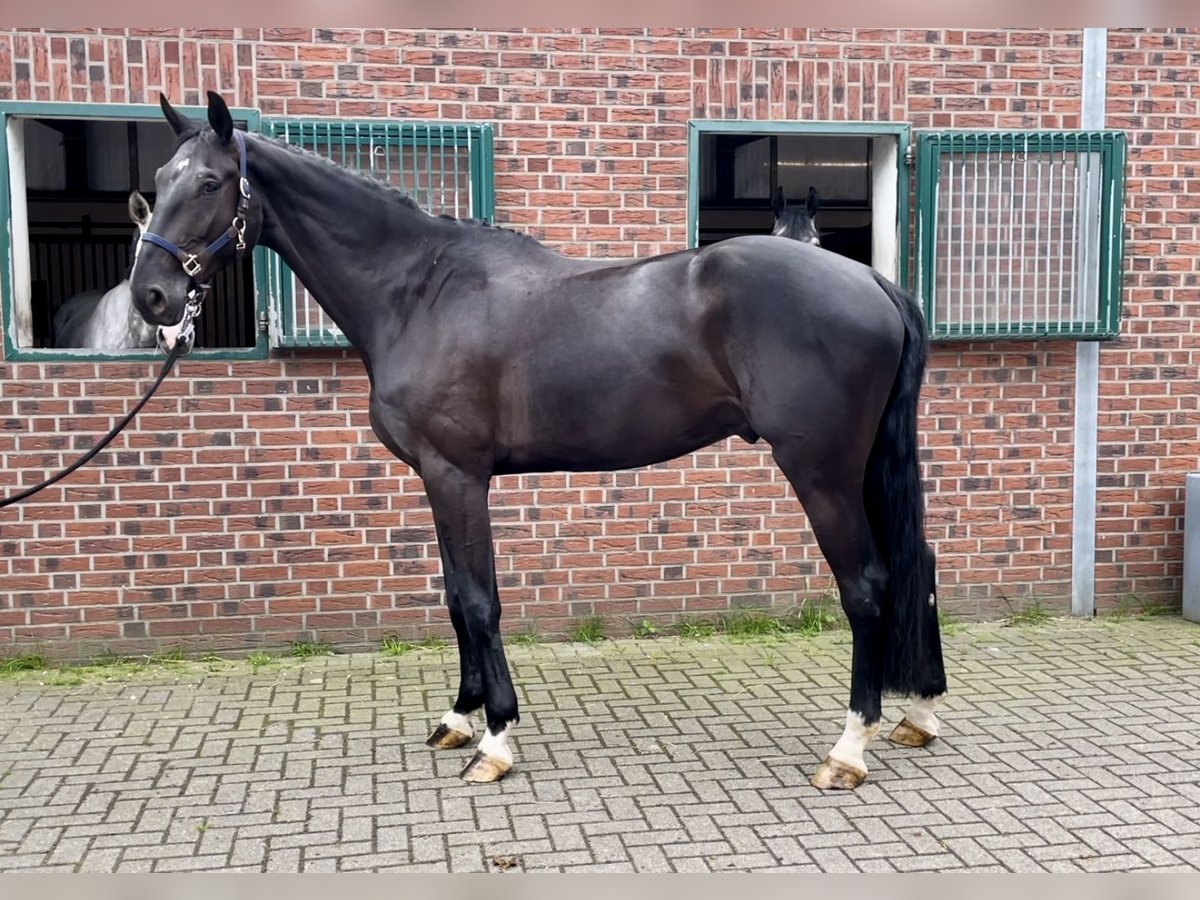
x: 116, y: 321
x: 351, y: 242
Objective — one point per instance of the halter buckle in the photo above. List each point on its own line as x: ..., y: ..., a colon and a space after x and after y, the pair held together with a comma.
x: 244, y: 187
x: 187, y: 326
x: 191, y: 265
x: 239, y: 228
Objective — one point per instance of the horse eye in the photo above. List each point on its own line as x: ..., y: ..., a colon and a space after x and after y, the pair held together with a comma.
x: 211, y: 187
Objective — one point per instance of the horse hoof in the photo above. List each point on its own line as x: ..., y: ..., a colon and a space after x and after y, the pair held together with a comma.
x: 837, y: 776
x: 446, y: 738
x: 906, y: 734
x: 484, y: 769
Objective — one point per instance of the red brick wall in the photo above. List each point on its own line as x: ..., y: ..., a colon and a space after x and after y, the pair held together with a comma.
x: 251, y: 505
x: 1148, y: 402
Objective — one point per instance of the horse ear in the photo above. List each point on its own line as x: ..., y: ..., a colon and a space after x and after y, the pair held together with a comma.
x: 139, y: 209
x: 181, y: 125
x: 814, y: 202
x: 778, y: 204
x: 219, y: 117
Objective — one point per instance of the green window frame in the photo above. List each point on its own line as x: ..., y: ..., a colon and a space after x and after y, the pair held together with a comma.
x: 1020, y: 234
x: 11, y: 111
x: 447, y: 167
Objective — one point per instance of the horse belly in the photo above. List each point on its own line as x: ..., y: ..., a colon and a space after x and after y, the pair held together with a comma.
x: 605, y: 425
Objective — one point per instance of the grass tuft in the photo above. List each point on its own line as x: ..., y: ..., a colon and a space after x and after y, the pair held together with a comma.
x: 31, y: 662
x: 696, y: 629
x: 589, y: 630
x: 309, y: 649
x: 1030, y: 615
x: 817, y: 618
x: 646, y: 629
x: 393, y: 646
x: 1135, y: 606
x: 525, y: 639
x: 947, y: 624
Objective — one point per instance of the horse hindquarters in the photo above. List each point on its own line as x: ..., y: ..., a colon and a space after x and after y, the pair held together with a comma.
x: 839, y: 410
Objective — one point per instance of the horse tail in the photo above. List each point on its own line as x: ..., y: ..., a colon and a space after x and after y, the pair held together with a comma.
x: 896, y: 510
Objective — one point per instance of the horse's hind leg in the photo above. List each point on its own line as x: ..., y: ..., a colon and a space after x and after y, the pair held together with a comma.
x: 832, y: 497
x: 920, y: 725
x: 460, y: 509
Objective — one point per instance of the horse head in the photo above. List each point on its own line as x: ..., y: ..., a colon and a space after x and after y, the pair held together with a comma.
x: 203, y: 219
x: 795, y: 222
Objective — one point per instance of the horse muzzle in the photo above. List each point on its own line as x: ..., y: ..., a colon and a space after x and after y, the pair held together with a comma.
x: 182, y: 332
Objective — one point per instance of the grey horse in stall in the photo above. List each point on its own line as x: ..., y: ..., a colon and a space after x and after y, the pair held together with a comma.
x: 108, y: 320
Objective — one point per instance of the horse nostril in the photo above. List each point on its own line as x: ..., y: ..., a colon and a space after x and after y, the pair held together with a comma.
x: 156, y: 300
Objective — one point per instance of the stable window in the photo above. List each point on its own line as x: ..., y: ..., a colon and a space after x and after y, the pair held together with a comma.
x: 856, y: 169
x: 446, y: 168
x: 1020, y: 234
x: 66, y: 175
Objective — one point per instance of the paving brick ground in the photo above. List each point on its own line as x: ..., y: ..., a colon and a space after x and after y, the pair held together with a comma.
x: 1066, y: 746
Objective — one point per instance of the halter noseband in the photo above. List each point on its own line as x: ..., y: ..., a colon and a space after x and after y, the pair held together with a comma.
x: 193, y: 263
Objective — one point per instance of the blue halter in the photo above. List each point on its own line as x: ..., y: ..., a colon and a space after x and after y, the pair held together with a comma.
x: 194, y: 263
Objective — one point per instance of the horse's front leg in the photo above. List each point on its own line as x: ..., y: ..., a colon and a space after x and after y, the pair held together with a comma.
x: 460, y: 510
x: 456, y: 727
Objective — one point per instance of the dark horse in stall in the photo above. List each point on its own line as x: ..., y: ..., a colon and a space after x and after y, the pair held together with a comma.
x: 488, y: 353
x: 796, y: 222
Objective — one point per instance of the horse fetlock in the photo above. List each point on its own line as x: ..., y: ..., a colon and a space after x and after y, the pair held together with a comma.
x: 850, y: 747
x: 494, y: 744
x: 845, y: 767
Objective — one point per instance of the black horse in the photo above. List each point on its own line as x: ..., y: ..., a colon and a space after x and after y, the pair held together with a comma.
x: 488, y: 353
x: 796, y: 222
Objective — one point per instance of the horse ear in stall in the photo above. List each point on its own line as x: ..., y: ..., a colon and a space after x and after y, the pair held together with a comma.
x: 795, y: 222
x: 108, y: 320
x: 139, y: 214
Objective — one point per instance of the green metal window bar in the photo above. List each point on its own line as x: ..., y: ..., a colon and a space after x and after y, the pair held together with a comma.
x: 1020, y: 234
x: 446, y: 168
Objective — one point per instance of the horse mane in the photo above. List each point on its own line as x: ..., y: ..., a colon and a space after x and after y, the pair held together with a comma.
x: 398, y: 195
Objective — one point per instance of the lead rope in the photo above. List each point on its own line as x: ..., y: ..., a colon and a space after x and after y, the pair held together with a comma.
x: 175, y: 353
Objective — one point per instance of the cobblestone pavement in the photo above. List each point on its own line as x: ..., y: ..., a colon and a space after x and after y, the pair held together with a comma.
x: 1066, y: 746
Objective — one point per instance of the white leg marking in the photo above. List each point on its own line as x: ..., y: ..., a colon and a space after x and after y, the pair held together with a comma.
x: 496, y: 745
x: 850, y: 746
x: 921, y: 713
x: 458, y: 722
